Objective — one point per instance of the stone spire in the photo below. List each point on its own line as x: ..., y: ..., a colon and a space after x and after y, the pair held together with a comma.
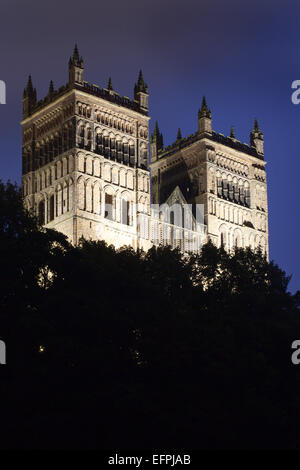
x: 141, y: 85
x: 51, y: 88
x: 29, y: 87
x: 76, y: 53
x: 157, y: 143
x: 109, y: 86
x: 257, y: 138
x: 75, y: 68
x: 204, y: 118
x: 29, y: 98
x: 76, y: 60
x: 204, y: 111
x: 157, y: 136
x: 141, y: 93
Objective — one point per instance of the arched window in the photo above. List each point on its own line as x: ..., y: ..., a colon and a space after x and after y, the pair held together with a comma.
x: 235, y: 192
x: 144, y: 153
x: 237, y: 240
x: 222, y: 240
x: 55, y: 145
x: 108, y: 213
x: 247, y: 196
x: 70, y: 137
x: 219, y: 185
x: 41, y: 155
x: 242, y: 195
x: 230, y: 190
x: 41, y: 212
x: 99, y: 144
x: 172, y: 217
x: 65, y: 139
x: 225, y: 188
x: 125, y: 212
x: 131, y: 150
x: 51, y: 208
x: 60, y: 143
x: 50, y: 150
x: 125, y: 149
x: 113, y: 147
x: 119, y: 150
x: 88, y: 139
x: 106, y: 146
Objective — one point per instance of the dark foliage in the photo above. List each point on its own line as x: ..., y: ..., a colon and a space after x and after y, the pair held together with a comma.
x: 124, y: 349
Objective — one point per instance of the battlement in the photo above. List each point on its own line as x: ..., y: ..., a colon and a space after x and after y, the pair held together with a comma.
x: 254, y: 149
x: 138, y: 104
x: 92, y: 89
x: 215, y: 137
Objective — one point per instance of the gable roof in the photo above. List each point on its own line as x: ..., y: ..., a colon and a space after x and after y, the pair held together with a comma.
x: 177, y: 197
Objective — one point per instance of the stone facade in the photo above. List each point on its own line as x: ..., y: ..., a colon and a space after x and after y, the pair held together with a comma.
x: 86, y: 173
x: 224, y: 175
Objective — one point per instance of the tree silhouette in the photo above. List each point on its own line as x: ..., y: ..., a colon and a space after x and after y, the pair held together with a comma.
x: 119, y: 348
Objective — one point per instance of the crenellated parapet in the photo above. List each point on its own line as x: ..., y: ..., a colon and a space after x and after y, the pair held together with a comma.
x: 254, y: 148
x: 139, y: 103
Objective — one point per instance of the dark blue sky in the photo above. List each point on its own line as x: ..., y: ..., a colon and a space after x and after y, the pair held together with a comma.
x: 243, y: 55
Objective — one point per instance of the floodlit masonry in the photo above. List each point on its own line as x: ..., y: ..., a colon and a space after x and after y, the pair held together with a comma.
x: 86, y: 172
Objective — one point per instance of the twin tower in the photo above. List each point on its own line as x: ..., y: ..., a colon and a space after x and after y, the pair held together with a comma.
x: 85, y: 171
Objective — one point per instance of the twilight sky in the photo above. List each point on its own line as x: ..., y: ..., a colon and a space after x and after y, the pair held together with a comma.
x: 243, y: 55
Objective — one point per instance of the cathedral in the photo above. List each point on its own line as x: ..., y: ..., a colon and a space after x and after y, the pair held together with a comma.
x: 86, y: 172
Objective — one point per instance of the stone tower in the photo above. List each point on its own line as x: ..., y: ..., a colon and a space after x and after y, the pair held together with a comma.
x: 86, y: 173
x: 224, y: 175
x: 85, y: 158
